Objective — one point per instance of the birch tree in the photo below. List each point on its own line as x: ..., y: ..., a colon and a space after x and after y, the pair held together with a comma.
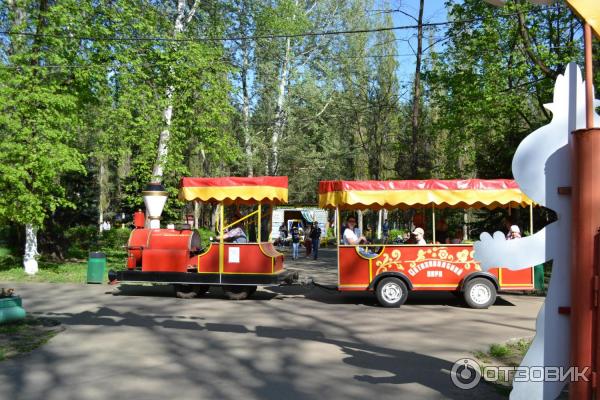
x: 183, y: 17
x: 37, y: 127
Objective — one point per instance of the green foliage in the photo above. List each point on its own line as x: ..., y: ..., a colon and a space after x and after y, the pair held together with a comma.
x: 80, y: 118
x: 395, y: 233
x: 205, y: 235
x: 114, y: 239
x: 80, y: 239
x: 498, y: 350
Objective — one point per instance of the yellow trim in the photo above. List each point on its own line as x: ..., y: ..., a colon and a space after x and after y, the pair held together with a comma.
x: 409, y: 198
x: 434, y: 285
x: 516, y: 284
x: 339, y: 234
x: 355, y: 285
x: 221, y: 240
x: 234, y: 193
x: 200, y: 255
x: 249, y: 273
x: 259, y: 221
x: 207, y: 250
x: 410, y: 245
x: 240, y: 220
x: 370, y: 270
x: 433, y: 223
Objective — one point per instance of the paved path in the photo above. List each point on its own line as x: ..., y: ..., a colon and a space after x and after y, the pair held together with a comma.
x: 286, y: 343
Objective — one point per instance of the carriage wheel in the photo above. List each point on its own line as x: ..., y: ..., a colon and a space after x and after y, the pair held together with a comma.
x: 391, y: 292
x: 480, y: 293
x: 190, y: 291
x: 238, y: 292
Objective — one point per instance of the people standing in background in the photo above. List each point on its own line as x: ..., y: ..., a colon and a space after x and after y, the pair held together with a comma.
x: 315, y: 236
x: 307, y: 240
x: 282, y: 234
x: 386, y: 231
x: 295, y: 235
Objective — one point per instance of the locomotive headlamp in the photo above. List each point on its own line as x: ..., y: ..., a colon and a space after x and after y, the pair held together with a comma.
x: 155, y: 197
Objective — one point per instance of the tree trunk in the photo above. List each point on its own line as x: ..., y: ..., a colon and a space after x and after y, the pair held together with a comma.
x: 414, y: 162
x: 163, y: 141
x: 101, y: 194
x: 279, y: 111
x: 29, y: 257
x: 196, y: 214
x: 246, y: 110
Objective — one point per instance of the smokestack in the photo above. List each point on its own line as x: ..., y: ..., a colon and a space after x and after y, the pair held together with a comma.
x: 155, y: 197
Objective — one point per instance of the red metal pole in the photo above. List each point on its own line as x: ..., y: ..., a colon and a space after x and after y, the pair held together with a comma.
x: 586, y: 221
x: 589, y: 77
x: 585, y: 151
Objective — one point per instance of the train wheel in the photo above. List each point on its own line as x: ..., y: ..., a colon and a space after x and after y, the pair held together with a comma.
x: 480, y: 293
x: 391, y: 292
x: 200, y: 290
x: 238, y: 292
x: 184, y: 291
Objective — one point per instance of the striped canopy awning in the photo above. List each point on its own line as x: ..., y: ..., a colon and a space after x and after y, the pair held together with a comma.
x: 235, y: 190
x: 456, y: 193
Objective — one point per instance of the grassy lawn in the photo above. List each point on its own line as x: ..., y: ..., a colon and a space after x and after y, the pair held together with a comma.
x: 23, y: 336
x: 11, y: 270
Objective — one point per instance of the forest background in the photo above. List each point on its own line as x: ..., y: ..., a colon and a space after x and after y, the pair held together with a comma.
x: 98, y: 98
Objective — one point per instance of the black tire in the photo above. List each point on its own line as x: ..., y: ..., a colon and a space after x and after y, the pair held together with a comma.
x: 200, y: 290
x: 190, y: 291
x: 480, y: 293
x: 238, y: 292
x: 391, y: 292
x: 184, y: 291
x: 457, y: 293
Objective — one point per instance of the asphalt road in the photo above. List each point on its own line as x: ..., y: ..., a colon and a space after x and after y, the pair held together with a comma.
x: 139, y: 342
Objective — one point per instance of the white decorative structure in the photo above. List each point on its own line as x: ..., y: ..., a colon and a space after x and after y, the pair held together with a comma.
x: 540, y: 166
x: 29, y: 258
x: 155, y: 198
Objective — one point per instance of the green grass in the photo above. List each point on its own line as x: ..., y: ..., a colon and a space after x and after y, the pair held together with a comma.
x: 26, y: 335
x: 509, y: 354
x: 11, y: 270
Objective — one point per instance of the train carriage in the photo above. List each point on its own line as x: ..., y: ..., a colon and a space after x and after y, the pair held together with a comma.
x: 393, y: 270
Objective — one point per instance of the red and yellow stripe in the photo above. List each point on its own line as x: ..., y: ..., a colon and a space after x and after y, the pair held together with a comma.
x: 475, y: 193
x: 272, y: 189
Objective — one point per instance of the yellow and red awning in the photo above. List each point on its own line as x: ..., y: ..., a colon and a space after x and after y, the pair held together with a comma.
x: 457, y: 193
x: 235, y: 190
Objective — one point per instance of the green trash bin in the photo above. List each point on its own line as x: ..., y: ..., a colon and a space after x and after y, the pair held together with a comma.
x: 96, y: 266
x: 538, y: 277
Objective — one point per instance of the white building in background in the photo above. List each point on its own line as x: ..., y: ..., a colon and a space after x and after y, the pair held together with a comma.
x: 304, y: 214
